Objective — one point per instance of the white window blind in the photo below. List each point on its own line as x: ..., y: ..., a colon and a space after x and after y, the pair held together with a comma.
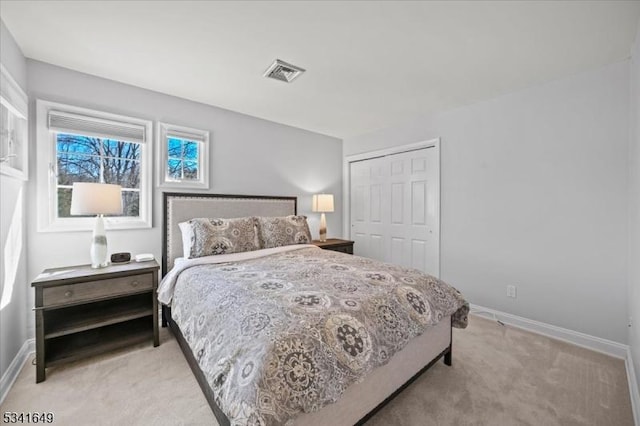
x: 195, y: 137
x: 67, y: 122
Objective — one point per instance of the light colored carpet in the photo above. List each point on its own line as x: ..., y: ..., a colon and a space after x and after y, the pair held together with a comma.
x: 500, y: 376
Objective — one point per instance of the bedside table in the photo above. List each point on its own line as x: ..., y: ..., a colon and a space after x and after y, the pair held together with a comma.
x: 82, y: 311
x: 335, y: 244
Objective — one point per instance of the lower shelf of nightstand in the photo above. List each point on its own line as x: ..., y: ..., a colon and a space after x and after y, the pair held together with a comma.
x: 96, y: 341
x: 78, y: 318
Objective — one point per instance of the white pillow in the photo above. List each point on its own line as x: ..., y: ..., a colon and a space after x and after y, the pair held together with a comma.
x: 186, y: 231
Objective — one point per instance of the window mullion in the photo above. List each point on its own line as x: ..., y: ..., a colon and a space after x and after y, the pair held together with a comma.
x: 102, y: 156
x: 182, y: 152
x: 182, y: 162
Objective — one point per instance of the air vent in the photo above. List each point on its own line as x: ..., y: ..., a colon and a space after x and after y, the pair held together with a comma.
x: 283, y: 71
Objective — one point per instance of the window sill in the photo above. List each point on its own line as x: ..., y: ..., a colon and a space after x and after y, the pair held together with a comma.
x: 184, y: 185
x: 87, y: 224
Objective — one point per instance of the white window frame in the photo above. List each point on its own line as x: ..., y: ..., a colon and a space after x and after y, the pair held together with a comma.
x: 16, y: 101
x: 47, y: 195
x: 200, y: 136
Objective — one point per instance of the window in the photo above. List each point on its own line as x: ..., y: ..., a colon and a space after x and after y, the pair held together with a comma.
x: 13, y: 127
x: 81, y: 145
x: 183, y: 157
x: 91, y: 159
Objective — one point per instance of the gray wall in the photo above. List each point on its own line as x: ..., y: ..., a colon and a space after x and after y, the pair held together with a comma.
x: 634, y: 209
x: 13, y: 317
x: 247, y: 156
x: 534, y: 194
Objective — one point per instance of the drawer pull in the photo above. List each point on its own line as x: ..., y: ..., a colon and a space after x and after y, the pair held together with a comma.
x: 134, y: 283
x: 68, y: 293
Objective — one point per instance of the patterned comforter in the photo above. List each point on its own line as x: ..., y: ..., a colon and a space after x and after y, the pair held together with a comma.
x: 287, y: 333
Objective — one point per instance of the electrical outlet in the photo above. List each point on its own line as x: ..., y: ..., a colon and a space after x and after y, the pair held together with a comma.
x: 511, y: 291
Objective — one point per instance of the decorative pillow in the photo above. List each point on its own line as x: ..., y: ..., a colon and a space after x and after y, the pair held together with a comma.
x: 283, y: 231
x: 221, y: 236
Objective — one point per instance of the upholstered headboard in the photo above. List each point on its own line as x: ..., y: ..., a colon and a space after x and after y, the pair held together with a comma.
x: 179, y: 207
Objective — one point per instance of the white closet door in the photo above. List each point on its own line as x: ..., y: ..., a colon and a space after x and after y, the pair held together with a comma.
x: 368, y: 216
x: 395, y: 205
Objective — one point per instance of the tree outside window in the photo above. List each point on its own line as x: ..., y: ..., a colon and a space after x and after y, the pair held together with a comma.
x: 92, y: 159
x: 182, y: 159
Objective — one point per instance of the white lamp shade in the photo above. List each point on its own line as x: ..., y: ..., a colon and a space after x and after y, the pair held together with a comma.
x: 322, y: 203
x: 96, y: 198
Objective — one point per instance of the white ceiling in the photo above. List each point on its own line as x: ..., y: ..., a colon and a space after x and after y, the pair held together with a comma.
x: 369, y: 64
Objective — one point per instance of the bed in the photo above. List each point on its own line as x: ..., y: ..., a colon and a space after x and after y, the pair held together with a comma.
x: 294, y: 334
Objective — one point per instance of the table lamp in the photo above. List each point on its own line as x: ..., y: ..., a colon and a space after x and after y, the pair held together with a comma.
x: 322, y: 203
x: 99, y: 199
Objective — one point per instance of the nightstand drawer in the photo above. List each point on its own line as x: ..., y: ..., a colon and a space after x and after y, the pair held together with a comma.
x: 335, y: 244
x: 72, y: 293
x: 343, y: 249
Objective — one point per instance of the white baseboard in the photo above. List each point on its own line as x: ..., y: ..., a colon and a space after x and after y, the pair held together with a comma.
x: 594, y: 343
x: 634, y: 393
x: 10, y: 376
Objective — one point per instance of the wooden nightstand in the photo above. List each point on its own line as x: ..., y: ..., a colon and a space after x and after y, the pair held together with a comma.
x: 335, y: 244
x: 82, y: 311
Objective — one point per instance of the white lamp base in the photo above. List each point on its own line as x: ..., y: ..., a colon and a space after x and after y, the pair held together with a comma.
x: 99, y: 245
x: 323, y: 228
